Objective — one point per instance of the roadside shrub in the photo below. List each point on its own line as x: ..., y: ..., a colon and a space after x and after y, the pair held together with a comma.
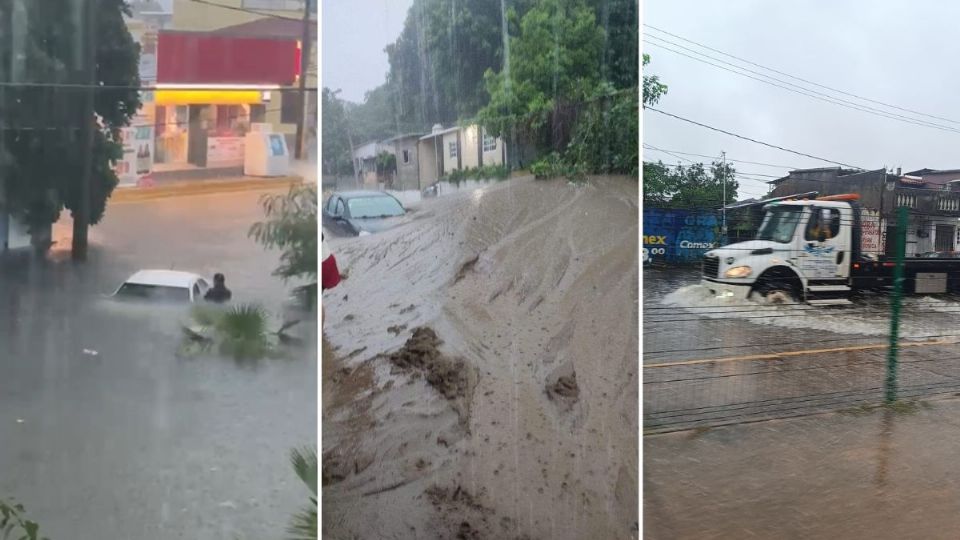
x: 605, y: 137
x: 555, y: 166
x: 12, y: 521
x: 486, y: 172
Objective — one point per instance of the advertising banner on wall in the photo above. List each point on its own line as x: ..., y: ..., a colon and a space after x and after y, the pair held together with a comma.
x: 673, y: 236
x: 225, y: 152
x: 138, y: 152
x: 871, y: 238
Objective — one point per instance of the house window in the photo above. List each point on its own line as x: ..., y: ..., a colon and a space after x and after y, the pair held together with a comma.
x: 489, y: 143
x: 453, y: 148
x: 406, y: 156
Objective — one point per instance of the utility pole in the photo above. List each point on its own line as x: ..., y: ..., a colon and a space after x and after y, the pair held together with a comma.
x: 724, y: 207
x: 305, y: 42
x: 81, y: 216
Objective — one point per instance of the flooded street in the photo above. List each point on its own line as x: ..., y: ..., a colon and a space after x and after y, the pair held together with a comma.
x: 765, y: 419
x: 862, y: 476
x: 106, y: 432
x: 513, y: 415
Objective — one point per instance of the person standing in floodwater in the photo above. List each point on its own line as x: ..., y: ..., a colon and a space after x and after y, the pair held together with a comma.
x: 219, y: 293
x: 329, y: 273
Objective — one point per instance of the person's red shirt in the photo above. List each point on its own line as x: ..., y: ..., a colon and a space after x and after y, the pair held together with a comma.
x: 329, y: 273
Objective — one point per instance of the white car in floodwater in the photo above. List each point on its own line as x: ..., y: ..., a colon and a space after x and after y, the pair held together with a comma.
x: 163, y: 286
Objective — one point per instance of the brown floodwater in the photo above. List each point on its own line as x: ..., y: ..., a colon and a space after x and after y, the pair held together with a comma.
x: 521, y: 422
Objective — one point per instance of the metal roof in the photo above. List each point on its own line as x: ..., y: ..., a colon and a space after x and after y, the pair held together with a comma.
x: 403, y: 136
x: 441, y: 132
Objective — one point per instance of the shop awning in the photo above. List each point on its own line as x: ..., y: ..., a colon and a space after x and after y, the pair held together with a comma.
x: 224, y: 96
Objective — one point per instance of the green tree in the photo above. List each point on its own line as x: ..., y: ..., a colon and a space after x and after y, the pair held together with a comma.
x: 653, y: 89
x: 40, y: 141
x: 554, y: 64
x: 437, y: 64
x: 692, y: 186
x: 618, y: 19
x: 336, y: 158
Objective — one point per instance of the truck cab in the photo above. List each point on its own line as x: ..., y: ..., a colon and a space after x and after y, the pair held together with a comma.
x: 802, y: 252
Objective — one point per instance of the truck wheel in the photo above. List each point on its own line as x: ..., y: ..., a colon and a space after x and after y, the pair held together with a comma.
x: 778, y: 291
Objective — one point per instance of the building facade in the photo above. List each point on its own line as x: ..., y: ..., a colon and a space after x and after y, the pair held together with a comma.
x: 445, y: 150
x: 932, y: 198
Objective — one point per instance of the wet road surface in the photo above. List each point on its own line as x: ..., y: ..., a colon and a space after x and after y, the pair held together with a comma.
x: 131, y: 441
x: 883, y: 474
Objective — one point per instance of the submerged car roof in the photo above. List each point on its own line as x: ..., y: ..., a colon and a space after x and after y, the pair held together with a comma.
x: 164, y: 278
x: 362, y: 194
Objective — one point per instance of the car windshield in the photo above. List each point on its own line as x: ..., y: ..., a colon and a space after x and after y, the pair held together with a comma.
x: 373, y: 207
x: 157, y: 293
x: 780, y: 223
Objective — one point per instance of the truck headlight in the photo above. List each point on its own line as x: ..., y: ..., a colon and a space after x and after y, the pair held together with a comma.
x: 364, y: 233
x: 738, y: 272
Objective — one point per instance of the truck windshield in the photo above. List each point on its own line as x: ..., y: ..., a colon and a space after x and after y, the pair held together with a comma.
x: 779, y: 224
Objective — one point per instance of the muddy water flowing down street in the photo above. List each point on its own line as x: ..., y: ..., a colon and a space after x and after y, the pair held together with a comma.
x: 484, y: 383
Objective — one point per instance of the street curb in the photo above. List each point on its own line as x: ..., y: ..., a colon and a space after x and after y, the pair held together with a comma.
x: 203, y: 187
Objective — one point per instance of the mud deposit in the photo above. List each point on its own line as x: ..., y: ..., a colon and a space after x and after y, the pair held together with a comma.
x: 486, y: 384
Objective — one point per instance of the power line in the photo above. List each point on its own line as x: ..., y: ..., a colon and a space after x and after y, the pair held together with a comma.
x: 800, y: 78
x: 647, y: 145
x: 738, y: 174
x: 649, y: 108
x: 805, y: 91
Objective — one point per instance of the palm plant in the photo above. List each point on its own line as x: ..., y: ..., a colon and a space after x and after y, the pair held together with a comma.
x: 239, y: 331
x: 12, y: 521
x: 291, y: 226
x: 303, y: 524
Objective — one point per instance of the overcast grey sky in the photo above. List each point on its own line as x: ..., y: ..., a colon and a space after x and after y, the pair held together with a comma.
x: 900, y: 53
x: 354, y: 33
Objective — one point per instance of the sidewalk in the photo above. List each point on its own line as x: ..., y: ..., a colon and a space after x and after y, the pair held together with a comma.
x: 878, y: 474
x: 204, y: 186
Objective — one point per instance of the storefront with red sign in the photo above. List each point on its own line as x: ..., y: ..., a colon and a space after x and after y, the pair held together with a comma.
x: 210, y: 89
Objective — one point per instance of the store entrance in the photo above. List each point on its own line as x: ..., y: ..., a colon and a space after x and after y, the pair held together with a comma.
x: 197, y: 138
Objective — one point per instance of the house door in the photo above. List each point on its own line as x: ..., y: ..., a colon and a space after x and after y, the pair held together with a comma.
x: 944, y: 238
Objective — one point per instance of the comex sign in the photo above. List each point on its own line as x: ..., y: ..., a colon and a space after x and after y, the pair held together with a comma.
x: 658, y: 240
x: 677, y: 235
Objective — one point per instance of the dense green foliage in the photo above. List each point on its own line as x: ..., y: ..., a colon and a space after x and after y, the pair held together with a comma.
x: 569, y: 88
x: 553, y: 165
x: 41, y: 155
x: 335, y: 149
x: 693, y: 186
x: 568, y: 85
x: 485, y: 172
